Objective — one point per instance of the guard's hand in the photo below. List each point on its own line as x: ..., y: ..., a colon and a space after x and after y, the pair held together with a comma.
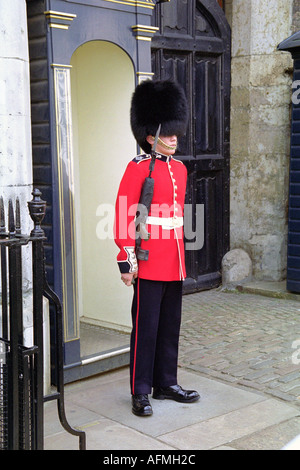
x: 127, y: 278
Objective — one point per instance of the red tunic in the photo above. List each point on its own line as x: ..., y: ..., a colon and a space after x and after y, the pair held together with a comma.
x: 166, y: 246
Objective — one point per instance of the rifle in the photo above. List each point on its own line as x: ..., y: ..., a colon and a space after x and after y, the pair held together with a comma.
x: 144, y: 206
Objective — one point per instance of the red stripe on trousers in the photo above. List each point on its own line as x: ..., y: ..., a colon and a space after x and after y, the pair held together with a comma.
x: 136, y: 332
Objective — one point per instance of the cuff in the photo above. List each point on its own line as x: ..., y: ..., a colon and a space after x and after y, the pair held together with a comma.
x: 130, y: 264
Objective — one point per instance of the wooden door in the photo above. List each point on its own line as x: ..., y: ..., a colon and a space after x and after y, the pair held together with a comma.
x: 193, y: 47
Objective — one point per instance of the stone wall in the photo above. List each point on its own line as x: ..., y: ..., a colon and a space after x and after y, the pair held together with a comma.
x: 15, y: 146
x: 296, y: 16
x: 260, y: 132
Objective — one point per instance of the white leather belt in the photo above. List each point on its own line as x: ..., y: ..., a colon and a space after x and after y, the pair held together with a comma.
x: 167, y: 223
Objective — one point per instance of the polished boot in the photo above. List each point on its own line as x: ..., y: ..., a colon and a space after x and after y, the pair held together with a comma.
x: 175, y: 392
x: 141, y: 405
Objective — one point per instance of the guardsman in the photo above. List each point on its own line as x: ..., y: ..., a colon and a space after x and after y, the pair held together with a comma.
x: 157, y: 271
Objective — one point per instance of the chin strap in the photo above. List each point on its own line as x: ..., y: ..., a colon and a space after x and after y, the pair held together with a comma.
x: 166, y: 146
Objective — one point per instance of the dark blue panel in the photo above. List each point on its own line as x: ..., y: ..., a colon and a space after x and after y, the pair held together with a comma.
x: 294, y: 274
x: 295, y: 151
x: 293, y: 238
x: 293, y: 286
x: 296, y: 70
x: 295, y: 140
x: 295, y: 184
x: 295, y: 164
x: 42, y: 174
x: 294, y: 263
x: 294, y: 226
x: 48, y: 233
x: 296, y: 127
x: 296, y: 113
x: 297, y: 75
x: 295, y: 177
x: 72, y: 352
x: 50, y: 273
x: 294, y: 201
x: 294, y: 250
x: 294, y: 214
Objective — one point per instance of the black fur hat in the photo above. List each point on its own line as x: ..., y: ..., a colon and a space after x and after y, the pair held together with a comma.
x: 157, y: 102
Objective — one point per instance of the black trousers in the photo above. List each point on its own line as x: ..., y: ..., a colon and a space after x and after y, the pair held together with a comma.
x: 156, y: 318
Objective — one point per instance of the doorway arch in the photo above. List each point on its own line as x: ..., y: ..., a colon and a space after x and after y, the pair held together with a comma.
x: 102, y: 81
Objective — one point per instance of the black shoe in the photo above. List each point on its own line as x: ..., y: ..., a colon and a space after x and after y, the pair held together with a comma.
x: 141, y: 405
x: 175, y: 392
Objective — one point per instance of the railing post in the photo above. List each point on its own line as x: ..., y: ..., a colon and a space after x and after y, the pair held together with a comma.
x: 15, y: 329
x: 3, y: 273
x: 37, y: 208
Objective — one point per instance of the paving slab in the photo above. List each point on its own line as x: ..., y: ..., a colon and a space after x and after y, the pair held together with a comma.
x: 224, y: 429
x: 101, y: 407
x: 114, y: 402
x: 105, y: 434
x: 270, y: 438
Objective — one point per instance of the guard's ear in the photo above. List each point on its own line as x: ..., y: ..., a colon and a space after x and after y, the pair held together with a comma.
x: 150, y: 139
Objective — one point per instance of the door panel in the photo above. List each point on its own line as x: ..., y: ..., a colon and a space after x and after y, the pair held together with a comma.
x: 207, y: 106
x: 177, y: 65
x: 193, y: 47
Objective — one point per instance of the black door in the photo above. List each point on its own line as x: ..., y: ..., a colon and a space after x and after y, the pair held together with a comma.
x: 193, y: 47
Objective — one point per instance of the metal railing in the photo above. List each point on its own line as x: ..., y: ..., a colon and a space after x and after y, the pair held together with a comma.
x: 22, y: 368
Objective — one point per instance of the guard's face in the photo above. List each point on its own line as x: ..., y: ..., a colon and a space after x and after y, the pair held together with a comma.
x: 166, y: 144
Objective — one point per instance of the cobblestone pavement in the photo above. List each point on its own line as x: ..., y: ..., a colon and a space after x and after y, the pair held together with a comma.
x: 244, y: 339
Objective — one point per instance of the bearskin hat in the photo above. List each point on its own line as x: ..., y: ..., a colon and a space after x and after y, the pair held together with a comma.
x: 157, y: 102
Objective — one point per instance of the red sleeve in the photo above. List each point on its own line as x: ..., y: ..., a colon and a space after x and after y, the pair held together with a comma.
x: 125, y: 210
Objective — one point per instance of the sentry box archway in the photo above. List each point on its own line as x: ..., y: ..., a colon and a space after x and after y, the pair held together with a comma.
x: 115, y: 37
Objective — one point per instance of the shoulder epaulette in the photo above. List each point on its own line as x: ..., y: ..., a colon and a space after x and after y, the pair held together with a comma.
x: 141, y: 158
x: 176, y: 160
